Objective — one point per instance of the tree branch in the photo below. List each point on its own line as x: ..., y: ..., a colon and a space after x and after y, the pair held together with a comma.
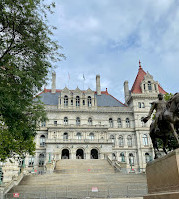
x: 12, y: 41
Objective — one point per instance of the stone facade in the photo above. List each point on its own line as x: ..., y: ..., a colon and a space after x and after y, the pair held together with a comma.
x: 93, y: 124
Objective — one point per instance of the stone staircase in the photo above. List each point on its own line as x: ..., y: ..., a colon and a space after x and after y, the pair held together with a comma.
x: 78, y: 179
x: 83, y: 166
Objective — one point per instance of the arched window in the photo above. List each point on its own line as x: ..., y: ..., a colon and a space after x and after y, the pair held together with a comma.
x: 110, y: 122
x: 65, y: 136
x: 119, y: 123
x: 89, y: 101
x: 77, y: 101
x: 91, y: 135
x: 65, y: 121
x: 121, y: 141
x: 127, y: 123
x: 65, y: 100
x: 112, y: 138
x: 149, y: 86
x: 129, y: 141
x: 142, y: 122
x: 41, y: 159
x: 139, y: 104
x: 131, y: 159
x: 145, y: 140
x: 147, y: 157
x: 90, y: 121
x: 78, y: 136
x: 77, y: 121
x: 143, y: 105
x: 42, y: 140
x: 122, y: 157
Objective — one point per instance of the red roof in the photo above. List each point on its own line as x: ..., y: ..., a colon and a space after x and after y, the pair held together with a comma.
x: 139, y: 78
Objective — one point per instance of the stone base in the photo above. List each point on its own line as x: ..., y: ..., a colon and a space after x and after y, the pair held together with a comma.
x: 163, y: 177
x: 171, y: 195
x: 49, y: 167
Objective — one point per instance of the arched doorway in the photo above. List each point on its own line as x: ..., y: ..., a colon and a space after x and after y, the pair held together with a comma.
x: 94, y: 154
x: 80, y: 154
x: 65, y: 154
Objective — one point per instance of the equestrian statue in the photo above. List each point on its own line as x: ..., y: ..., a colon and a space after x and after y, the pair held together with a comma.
x: 165, y: 123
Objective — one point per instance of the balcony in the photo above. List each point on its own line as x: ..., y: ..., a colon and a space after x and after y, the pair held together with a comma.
x: 95, y: 141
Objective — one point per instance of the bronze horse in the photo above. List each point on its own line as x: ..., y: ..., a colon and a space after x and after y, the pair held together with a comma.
x: 169, y: 125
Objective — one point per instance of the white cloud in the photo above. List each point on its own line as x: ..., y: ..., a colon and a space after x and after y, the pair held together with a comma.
x: 110, y: 36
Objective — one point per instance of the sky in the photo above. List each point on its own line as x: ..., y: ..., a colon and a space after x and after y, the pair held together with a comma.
x: 109, y: 37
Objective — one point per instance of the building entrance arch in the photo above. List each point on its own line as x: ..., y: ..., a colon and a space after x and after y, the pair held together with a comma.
x: 94, y: 154
x: 65, y: 154
x: 80, y: 154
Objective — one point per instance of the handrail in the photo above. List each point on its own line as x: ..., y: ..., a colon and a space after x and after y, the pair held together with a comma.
x: 12, y: 183
x: 114, y: 164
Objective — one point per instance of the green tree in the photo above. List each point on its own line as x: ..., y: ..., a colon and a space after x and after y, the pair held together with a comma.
x: 27, y: 52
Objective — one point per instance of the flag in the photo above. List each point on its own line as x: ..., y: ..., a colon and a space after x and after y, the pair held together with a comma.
x: 83, y: 76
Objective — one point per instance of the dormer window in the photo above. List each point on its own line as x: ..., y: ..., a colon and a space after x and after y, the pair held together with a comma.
x: 144, y: 87
x: 149, y: 86
x: 66, y: 100
x: 89, y: 101
x: 77, y: 101
x: 155, y: 87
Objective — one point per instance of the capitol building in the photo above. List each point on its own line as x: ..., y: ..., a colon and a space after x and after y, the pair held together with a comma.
x: 87, y: 124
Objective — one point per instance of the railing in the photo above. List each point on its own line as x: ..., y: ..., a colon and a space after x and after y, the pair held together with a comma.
x: 83, y: 191
x: 78, y: 141
x: 114, y: 164
x: 74, y: 125
x: 6, y: 187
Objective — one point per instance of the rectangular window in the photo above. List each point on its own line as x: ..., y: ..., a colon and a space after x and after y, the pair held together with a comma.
x: 43, y: 124
x: 83, y: 102
x: 55, y: 123
x: 71, y: 102
x: 31, y: 161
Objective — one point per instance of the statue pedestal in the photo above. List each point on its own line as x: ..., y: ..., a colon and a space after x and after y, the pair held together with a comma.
x: 163, y: 177
x: 49, y: 167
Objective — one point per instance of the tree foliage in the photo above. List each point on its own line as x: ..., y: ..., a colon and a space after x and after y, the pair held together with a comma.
x: 27, y: 52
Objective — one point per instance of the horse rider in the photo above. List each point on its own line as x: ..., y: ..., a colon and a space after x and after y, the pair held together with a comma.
x: 160, y: 107
x: 172, y: 103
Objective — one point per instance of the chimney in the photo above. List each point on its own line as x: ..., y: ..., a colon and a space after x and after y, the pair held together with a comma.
x: 98, y: 87
x: 126, y: 91
x: 53, y: 90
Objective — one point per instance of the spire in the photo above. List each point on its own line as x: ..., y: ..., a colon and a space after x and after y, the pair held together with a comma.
x: 140, y: 64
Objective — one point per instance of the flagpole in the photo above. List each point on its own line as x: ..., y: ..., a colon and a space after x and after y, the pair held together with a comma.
x: 68, y: 80
x: 83, y: 81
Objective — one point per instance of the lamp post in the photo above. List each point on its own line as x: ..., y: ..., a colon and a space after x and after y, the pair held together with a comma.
x: 130, y: 162
x: 1, y: 175
x: 49, y: 160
